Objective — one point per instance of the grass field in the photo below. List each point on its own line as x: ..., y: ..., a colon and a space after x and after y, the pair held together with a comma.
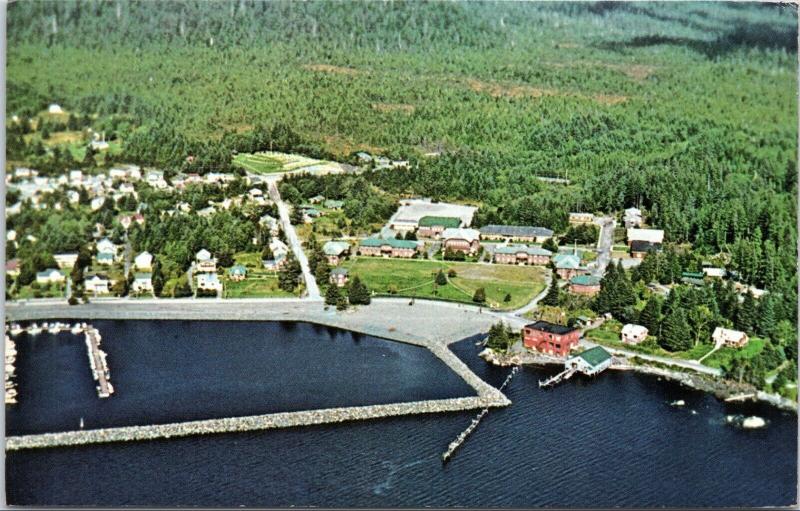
x: 417, y: 278
x: 259, y: 283
x: 608, y: 334
x: 723, y: 356
x: 258, y: 163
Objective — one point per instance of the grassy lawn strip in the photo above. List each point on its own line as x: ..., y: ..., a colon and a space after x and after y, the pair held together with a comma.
x: 608, y: 334
x: 416, y: 278
x: 258, y: 163
x: 723, y: 356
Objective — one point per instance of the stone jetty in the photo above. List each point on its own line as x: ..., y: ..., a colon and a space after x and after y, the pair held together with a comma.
x: 249, y: 423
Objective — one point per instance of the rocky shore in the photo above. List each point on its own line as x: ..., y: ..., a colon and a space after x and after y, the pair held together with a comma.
x: 722, y: 389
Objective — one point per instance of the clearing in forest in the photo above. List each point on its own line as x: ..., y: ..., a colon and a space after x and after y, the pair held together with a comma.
x: 269, y: 162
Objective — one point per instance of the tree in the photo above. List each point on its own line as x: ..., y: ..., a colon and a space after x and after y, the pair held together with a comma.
x: 676, y: 335
x: 332, y: 295
x: 765, y: 321
x: 358, y: 292
x: 290, y: 274
x: 551, y: 245
x: 323, y: 272
x: 650, y: 317
x: 225, y: 259
x: 441, y: 280
x: 500, y: 337
x: 479, y: 296
x: 296, y: 218
x: 746, y: 317
x: 553, y: 294
x: 451, y: 273
x: 507, y: 298
x: 411, y: 235
x: 267, y: 254
x: 157, y: 278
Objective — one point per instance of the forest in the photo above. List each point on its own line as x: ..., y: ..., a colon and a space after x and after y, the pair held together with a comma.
x: 687, y: 110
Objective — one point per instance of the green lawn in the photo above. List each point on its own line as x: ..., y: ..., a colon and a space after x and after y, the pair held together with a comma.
x: 416, y: 278
x: 260, y: 283
x: 44, y: 291
x: 258, y: 163
x: 723, y: 356
x: 608, y: 334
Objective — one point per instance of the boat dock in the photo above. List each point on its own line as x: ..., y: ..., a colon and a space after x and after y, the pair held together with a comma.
x: 566, y: 374
x: 98, y: 362
x: 10, y: 357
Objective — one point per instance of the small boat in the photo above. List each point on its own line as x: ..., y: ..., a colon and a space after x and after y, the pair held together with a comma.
x: 15, y: 329
x: 34, y: 329
x: 76, y: 329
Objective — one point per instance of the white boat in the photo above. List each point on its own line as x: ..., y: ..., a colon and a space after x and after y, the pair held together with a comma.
x: 753, y: 422
x: 15, y: 329
x: 34, y: 329
x: 76, y: 329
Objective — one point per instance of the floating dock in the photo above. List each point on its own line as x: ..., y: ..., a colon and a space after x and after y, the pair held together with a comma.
x: 98, y: 362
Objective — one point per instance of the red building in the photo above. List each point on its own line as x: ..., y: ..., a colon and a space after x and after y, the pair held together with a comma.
x: 550, y: 338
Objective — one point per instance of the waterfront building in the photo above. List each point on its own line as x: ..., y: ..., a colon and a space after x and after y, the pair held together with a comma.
x: 336, y: 251
x: 516, y: 233
x: 339, y: 276
x: 634, y: 334
x: 97, y: 284
x: 461, y: 240
x: 550, y: 338
x: 590, y: 362
x: 522, y: 255
x: 391, y: 247
x: 728, y: 337
x: 208, y: 282
x: 204, y: 262
x: 433, y: 226
x: 588, y: 285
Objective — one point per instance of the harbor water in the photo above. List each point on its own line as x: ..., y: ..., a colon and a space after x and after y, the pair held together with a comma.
x: 615, y: 440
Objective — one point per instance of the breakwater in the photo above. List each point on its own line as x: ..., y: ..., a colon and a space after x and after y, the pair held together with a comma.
x: 249, y: 423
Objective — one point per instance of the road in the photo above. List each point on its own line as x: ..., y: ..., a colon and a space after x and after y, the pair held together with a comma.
x: 604, y: 244
x: 688, y: 364
x: 535, y: 302
x: 283, y: 210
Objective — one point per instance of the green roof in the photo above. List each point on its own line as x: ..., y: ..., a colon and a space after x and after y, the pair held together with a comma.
x: 142, y: 275
x: 595, y: 356
x: 392, y: 242
x: 515, y: 249
x: 567, y: 261
x: 238, y: 269
x: 334, y: 248
x: 585, y: 280
x: 693, y: 274
x: 444, y: 221
x: 333, y: 204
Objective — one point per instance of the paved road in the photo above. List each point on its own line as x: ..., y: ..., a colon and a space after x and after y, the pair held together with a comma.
x: 311, y: 284
x: 607, y: 225
x: 535, y: 302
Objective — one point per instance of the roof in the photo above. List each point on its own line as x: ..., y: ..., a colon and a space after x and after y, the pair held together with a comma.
x: 143, y: 276
x: 203, y: 255
x: 339, y: 271
x: 392, y: 242
x: 727, y: 334
x: 693, y: 274
x: 595, y: 356
x: 651, y: 235
x: 570, y: 261
x: 331, y: 203
x: 516, y: 249
x: 237, y: 269
x: 551, y: 328
x: 585, y: 280
x: 515, y: 231
x: 47, y: 272
x: 645, y: 246
x: 444, y: 221
x: 461, y: 234
x: 105, y: 255
x: 334, y: 248
x: 630, y: 328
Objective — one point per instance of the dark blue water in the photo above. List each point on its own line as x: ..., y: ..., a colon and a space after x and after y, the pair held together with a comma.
x: 612, y: 441
x: 172, y: 371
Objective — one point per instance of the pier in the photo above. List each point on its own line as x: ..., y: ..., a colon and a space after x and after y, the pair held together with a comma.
x: 10, y: 358
x: 566, y: 374
x: 242, y: 424
x: 98, y: 362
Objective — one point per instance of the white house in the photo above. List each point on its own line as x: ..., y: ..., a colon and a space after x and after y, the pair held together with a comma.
x: 55, y: 109
x: 271, y: 223
x: 713, y: 272
x: 66, y: 260
x: 634, y: 334
x: 632, y: 217
x: 728, y: 337
x: 208, y: 281
x: 648, y: 235
x: 73, y: 197
x: 142, y: 282
x: 279, y: 251
x: 11, y: 235
x: 204, y: 261
x: 14, y: 209
x: 106, y: 245
x: 97, y: 203
x: 206, y: 212
x: 143, y: 261
x: 49, y: 276
x: 98, y: 284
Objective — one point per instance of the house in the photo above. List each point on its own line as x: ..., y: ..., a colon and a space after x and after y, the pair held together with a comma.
x: 590, y: 362
x: 632, y: 217
x: 11, y: 235
x: 581, y: 218
x: 728, y: 337
x: 316, y: 199
x: 105, y: 258
x: 588, y: 285
x: 649, y: 235
x: 66, y: 260
x: 206, y: 212
x: 49, y: 276
x: 75, y: 177
x: 142, y: 282
x: 125, y: 221
x: 155, y: 178
x: 522, y: 255
x: 391, y: 247
x: 12, y: 267
x: 204, y: 262
x: 339, y: 276
x: 255, y: 194
x: 97, y: 284
x: 433, y: 226
x: 716, y: 273
x: 634, y: 334
x: 333, y: 204
x: 73, y: 197
x: 516, y: 233
x: 640, y: 248
x: 336, y: 251
x: 237, y: 272
x: 568, y: 265
x: 209, y: 282
x: 550, y: 338
x: 694, y: 278
x: 309, y: 214
x: 97, y: 203
x: 127, y: 189
x: 461, y: 240
x: 279, y: 251
x: 143, y: 261
x: 107, y: 246
x: 271, y: 223
x: 55, y: 108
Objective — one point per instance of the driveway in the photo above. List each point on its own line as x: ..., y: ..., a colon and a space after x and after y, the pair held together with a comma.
x: 604, y: 244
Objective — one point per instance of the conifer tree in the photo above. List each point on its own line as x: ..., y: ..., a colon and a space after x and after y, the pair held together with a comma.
x: 358, y: 292
x: 650, y: 317
x: 766, y: 317
x: 747, y: 314
x: 552, y: 296
x: 332, y: 295
x: 441, y: 280
x: 676, y: 334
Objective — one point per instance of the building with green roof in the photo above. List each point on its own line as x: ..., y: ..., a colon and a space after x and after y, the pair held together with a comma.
x: 390, y: 247
x: 433, y: 226
x: 591, y: 362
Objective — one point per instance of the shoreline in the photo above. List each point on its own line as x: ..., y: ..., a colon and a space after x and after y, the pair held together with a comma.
x: 722, y: 390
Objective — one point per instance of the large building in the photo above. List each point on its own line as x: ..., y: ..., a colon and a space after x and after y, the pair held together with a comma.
x: 336, y: 251
x: 461, y: 240
x: 640, y: 248
x: 391, y: 247
x: 568, y: 265
x: 649, y: 235
x: 516, y: 233
x: 550, y: 338
x: 588, y: 285
x: 522, y: 254
x: 433, y: 226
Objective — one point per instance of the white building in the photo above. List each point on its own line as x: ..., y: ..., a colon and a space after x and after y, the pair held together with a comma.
x: 209, y: 282
x: 55, y: 109
x: 106, y: 245
x: 66, y: 260
x: 97, y: 203
x: 204, y: 261
x: 98, y: 285
x: 728, y: 337
x: 50, y: 276
x: 634, y: 334
x: 142, y: 282
x: 590, y: 362
x: 648, y: 235
x: 143, y: 261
